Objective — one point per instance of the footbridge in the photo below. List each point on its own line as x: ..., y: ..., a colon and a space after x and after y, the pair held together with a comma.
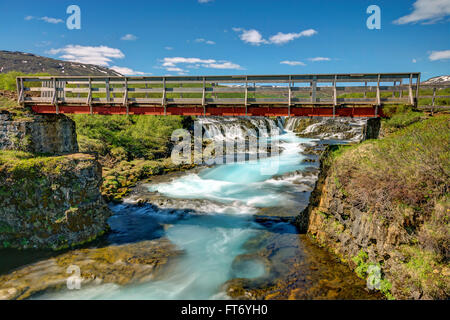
x: 354, y: 95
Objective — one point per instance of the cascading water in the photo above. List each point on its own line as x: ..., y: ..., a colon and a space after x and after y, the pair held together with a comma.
x: 213, y: 216
x: 348, y: 129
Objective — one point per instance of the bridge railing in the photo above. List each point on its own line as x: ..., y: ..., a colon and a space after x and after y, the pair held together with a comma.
x: 276, y: 90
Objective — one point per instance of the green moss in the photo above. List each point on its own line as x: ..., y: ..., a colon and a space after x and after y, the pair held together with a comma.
x: 361, y: 261
x: 385, y: 288
x: 6, y: 244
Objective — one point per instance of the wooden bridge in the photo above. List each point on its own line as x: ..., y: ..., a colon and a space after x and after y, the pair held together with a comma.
x: 356, y: 95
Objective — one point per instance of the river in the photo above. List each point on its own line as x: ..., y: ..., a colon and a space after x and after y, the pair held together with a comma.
x: 233, y: 224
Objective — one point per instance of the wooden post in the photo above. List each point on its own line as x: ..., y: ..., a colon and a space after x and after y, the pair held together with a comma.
x: 163, y: 102
x: 401, y: 89
x: 290, y: 92
x: 125, y: 96
x: 89, y: 99
x: 290, y: 95
x: 378, y: 91
x: 19, y: 84
x: 314, y: 91
x: 417, y: 90
x: 393, y: 90
x: 434, y: 99
x: 246, y: 94
x: 334, y: 96
x: 108, y: 98
x: 55, y: 96
x: 204, y: 97
x: 411, y: 98
x: 365, y: 89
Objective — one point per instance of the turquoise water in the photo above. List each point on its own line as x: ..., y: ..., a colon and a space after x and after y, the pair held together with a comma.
x: 211, y: 240
x: 247, y: 183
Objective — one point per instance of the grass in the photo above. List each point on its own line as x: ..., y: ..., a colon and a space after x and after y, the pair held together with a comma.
x: 8, y: 80
x: 404, y: 180
x: 129, y: 148
x: 25, y: 165
x: 411, y: 163
x: 130, y: 138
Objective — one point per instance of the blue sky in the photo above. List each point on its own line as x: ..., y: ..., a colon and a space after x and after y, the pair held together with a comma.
x: 201, y: 37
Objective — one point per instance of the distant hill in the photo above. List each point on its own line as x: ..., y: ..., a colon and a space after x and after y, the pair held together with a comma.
x: 31, y: 63
x: 440, y: 80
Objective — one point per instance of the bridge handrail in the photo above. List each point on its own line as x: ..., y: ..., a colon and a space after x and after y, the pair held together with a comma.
x: 241, y: 90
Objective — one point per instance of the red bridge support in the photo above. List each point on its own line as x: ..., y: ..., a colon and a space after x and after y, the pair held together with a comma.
x: 265, y: 111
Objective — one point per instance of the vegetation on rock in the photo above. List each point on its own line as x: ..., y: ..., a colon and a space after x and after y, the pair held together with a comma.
x: 50, y: 202
x: 129, y: 148
x: 390, y: 198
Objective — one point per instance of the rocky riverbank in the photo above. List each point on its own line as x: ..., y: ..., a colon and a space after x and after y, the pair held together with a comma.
x: 382, y: 207
x: 112, y: 265
x: 50, y: 202
x: 49, y: 194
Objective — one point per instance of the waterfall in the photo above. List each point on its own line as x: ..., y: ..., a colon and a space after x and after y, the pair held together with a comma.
x: 349, y: 129
x: 234, y: 128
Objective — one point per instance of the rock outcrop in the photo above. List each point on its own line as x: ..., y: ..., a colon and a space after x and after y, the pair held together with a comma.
x: 133, y: 263
x: 49, y: 134
x: 50, y: 202
x: 364, y: 240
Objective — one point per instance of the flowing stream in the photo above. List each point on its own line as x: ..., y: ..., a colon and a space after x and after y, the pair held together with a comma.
x: 231, y: 221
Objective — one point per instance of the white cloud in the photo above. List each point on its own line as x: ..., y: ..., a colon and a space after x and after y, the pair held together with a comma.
x: 281, y: 38
x: 168, y: 48
x: 251, y: 36
x: 439, y: 55
x: 174, y: 69
x: 414, y: 61
x: 51, y: 20
x: 129, y: 37
x: 317, y: 59
x: 201, y: 40
x: 428, y: 11
x: 224, y: 65
x: 46, y: 19
x: 127, y: 71
x: 205, y: 1
x: 171, y: 64
x: 101, y: 55
x: 254, y: 37
x: 293, y: 63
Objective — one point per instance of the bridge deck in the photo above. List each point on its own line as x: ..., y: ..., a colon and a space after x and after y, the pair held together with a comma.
x: 267, y: 95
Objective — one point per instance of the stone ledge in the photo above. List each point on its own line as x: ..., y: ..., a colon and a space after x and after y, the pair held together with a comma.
x: 48, y: 134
